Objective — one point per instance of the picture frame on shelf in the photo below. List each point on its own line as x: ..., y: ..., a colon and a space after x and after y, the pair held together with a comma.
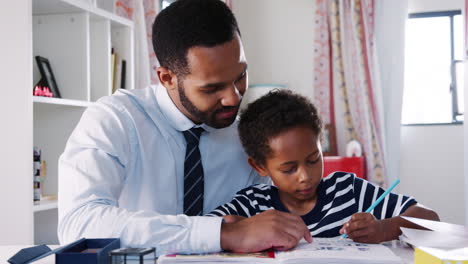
x: 328, y: 141
x: 47, y: 76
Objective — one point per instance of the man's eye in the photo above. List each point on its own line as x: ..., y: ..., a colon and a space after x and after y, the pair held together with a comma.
x: 211, y: 90
x: 241, y: 77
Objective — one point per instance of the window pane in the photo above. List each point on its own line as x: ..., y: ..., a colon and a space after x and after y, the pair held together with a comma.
x: 427, y: 97
x: 460, y: 86
x: 166, y: 3
x: 458, y: 37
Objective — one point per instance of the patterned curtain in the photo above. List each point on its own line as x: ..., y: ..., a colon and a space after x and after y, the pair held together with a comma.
x: 143, y: 13
x: 345, y: 66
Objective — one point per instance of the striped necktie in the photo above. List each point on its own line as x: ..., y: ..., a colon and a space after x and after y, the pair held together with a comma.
x: 193, y: 173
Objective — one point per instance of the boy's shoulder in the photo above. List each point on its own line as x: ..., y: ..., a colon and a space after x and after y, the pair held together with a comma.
x: 260, y: 188
x: 339, y: 177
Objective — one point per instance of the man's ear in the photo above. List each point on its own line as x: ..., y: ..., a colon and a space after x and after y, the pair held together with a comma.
x: 259, y: 168
x: 167, y: 78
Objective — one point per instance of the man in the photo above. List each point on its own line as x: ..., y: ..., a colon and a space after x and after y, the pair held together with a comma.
x: 144, y: 165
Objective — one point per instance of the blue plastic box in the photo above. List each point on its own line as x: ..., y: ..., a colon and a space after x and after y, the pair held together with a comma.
x: 89, y: 251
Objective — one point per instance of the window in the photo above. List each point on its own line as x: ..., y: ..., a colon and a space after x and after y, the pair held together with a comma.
x: 166, y: 3
x: 433, y: 91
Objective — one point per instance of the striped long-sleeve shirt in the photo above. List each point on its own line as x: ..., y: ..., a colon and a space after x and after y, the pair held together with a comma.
x: 340, y: 195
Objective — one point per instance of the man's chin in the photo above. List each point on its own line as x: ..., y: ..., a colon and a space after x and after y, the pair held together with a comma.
x: 222, y: 123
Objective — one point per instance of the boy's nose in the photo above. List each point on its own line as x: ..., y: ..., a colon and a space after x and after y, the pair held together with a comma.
x: 304, y: 175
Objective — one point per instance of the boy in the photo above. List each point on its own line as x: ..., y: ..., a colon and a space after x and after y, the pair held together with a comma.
x: 281, y: 134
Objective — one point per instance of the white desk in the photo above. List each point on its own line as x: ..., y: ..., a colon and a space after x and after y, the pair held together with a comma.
x: 405, y: 253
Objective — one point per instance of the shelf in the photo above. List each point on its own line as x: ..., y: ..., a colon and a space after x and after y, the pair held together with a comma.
x: 60, y: 101
x: 45, y: 204
x: 47, y: 7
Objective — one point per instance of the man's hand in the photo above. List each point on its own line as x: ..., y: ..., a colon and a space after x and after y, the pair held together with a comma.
x: 364, y: 228
x: 270, y: 229
x: 232, y: 218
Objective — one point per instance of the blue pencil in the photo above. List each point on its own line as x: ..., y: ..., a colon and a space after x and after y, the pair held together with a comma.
x: 378, y: 200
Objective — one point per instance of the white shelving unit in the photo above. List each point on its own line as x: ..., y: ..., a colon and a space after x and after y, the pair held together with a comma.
x: 45, y: 205
x: 77, y: 37
x: 60, y: 101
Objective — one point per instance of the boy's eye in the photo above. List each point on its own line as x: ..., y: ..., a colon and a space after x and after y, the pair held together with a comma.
x: 289, y: 170
x: 314, y: 161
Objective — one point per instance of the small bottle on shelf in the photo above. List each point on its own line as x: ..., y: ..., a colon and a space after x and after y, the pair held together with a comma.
x: 37, y: 174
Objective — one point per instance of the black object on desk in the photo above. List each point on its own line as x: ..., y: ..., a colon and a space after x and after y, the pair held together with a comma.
x: 89, y: 251
x: 26, y: 255
x: 121, y: 255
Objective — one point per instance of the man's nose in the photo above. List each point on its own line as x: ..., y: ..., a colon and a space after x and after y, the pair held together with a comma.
x: 231, y: 97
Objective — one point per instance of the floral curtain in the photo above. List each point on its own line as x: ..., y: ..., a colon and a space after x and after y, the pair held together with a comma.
x: 143, y: 13
x: 345, y: 68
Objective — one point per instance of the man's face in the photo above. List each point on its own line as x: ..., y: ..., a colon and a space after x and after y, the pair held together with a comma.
x: 211, y: 93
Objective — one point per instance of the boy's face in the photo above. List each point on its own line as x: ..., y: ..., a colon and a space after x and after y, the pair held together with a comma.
x: 211, y: 93
x: 296, y: 164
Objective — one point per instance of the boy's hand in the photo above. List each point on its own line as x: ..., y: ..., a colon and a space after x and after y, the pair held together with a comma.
x: 270, y: 229
x: 364, y: 228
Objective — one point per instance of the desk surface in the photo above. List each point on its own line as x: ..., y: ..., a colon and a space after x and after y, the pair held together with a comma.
x: 404, y: 252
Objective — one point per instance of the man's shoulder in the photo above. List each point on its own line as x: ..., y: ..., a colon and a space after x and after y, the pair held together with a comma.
x: 129, y: 100
x: 132, y: 107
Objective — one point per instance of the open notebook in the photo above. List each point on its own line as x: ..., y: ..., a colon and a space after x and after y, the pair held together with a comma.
x: 322, y: 250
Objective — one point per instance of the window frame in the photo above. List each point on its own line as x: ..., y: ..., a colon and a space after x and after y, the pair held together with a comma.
x: 161, y: 3
x: 453, y: 83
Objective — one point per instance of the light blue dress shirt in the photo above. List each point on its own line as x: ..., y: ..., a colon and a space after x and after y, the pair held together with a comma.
x: 121, y: 175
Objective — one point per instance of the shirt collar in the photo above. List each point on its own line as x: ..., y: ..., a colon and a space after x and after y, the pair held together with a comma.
x: 170, y: 111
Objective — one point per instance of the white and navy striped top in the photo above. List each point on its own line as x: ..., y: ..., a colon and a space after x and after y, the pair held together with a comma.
x: 340, y: 195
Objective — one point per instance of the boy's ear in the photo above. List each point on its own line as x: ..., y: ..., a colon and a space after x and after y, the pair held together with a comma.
x: 259, y: 168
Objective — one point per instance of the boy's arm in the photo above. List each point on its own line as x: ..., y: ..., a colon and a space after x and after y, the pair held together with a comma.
x: 365, y: 228
x: 392, y: 225
x: 260, y: 230
x: 243, y: 204
x: 384, y: 222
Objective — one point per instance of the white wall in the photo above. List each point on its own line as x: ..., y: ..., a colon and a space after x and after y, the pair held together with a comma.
x: 466, y: 144
x: 432, y: 168
x: 16, y: 223
x: 278, y: 38
x: 416, y: 6
x: 432, y: 156
x: 466, y: 129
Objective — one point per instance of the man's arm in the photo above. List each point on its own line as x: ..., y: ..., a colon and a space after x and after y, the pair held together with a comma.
x: 270, y: 229
x: 93, y: 171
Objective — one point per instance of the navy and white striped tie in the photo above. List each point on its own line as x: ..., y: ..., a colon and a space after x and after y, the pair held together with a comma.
x: 193, y: 173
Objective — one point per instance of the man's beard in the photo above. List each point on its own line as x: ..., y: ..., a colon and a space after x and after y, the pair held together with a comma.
x: 209, y: 118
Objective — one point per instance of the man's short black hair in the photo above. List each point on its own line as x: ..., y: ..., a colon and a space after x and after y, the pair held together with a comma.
x: 271, y: 115
x: 188, y: 23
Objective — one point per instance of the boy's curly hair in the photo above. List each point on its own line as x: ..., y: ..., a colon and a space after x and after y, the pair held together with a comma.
x: 272, y: 114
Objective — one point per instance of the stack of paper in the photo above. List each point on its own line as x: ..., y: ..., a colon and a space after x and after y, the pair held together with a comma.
x: 442, y: 243
x: 322, y: 250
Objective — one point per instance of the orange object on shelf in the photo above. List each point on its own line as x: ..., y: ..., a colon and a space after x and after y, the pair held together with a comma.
x: 347, y: 164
